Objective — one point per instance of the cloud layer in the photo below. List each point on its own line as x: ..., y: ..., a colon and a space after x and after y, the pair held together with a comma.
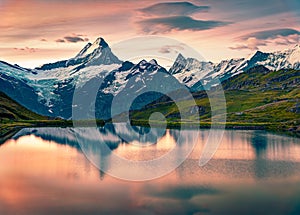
x: 26, y: 49
x: 72, y: 39
x: 254, y: 40
x: 170, y: 48
x: 233, y: 27
x: 251, y: 43
x: 173, y: 8
x: 271, y: 34
x: 166, y: 24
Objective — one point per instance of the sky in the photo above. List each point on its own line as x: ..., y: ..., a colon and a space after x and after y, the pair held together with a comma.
x: 34, y: 32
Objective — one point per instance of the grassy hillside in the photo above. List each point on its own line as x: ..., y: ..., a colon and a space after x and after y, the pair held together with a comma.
x: 256, y: 98
x: 10, y: 110
x: 14, y: 116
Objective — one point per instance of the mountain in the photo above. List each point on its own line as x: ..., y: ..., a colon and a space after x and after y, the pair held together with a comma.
x: 15, y: 83
x: 127, y: 82
x: 189, y: 70
x: 286, y: 59
x: 49, y: 89
x: 140, y: 79
x: 97, y: 53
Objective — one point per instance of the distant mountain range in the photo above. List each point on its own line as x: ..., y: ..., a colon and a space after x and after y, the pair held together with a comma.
x: 189, y: 71
x: 48, y: 90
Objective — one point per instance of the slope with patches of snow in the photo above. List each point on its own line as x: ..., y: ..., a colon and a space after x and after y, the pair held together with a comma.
x: 189, y: 70
x: 287, y: 59
x: 52, y: 84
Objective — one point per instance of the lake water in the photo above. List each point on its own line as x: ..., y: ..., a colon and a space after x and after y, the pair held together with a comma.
x: 43, y: 171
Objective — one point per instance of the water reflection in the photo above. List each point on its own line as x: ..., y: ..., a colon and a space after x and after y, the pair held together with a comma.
x: 43, y: 171
x: 145, y: 157
x: 260, y: 153
x: 260, y: 142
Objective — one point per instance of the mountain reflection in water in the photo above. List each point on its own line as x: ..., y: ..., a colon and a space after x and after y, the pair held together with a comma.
x: 43, y: 171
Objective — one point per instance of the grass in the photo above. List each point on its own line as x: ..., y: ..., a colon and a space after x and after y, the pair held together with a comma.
x: 14, y: 116
x: 10, y: 110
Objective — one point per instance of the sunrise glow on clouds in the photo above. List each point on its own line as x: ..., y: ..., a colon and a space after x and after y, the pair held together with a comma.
x: 39, y: 31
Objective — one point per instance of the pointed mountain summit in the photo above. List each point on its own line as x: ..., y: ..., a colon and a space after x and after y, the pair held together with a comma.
x: 84, y: 50
x: 97, y: 53
x: 93, y: 54
x: 178, y: 65
x: 145, y: 66
x: 190, y: 70
x: 257, y: 57
x: 99, y: 43
x: 285, y: 59
x: 153, y: 62
x: 294, y: 57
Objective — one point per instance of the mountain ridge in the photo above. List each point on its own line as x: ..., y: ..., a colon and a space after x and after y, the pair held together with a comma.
x: 49, y: 89
x: 286, y: 59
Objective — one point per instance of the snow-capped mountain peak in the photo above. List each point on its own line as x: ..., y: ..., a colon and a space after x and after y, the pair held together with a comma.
x: 295, y: 55
x: 144, y: 65
x: 189, y: 70
x: 98, y: 53
x: 84, y: 50
x: 99, y: 43
x: 178, y: 65
x: 180, y: 58
x: 274, y: 61
x: 289, y: 58
x: 153, y: 62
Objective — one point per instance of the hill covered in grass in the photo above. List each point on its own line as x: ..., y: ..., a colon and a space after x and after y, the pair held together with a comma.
x: 257, y: 98
x: 14, y: 116
x: 10, y: 110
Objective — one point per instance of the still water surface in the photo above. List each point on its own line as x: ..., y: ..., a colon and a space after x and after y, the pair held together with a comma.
x: 43, y: 171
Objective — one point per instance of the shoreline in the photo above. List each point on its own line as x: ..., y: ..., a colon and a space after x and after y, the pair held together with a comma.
x: 8, y: 130
x: 268, y: 127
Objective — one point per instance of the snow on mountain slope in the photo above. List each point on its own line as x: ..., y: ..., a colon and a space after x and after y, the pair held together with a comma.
x: 15, y: 83
x: 53, y: 85
x: 122, y: 76
x: 90, y: 48
x: 143, y: 83
x: 14, y: 70
x: 92, y: 61
x: 92, y: 54
x: 52, y: 82
x: 294, y: 57
x: 193, y: 73
x: 189, y: 70
x: 286, y: 59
